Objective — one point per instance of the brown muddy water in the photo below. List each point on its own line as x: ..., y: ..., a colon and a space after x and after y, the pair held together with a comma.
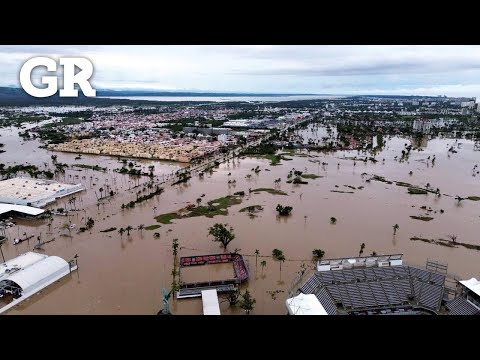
x: 125, y: 274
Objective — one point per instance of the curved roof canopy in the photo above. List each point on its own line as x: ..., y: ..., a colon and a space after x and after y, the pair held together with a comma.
x: 40, y: 272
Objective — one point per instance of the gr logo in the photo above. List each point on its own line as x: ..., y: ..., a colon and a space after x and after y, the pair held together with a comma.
x: 70, y: 78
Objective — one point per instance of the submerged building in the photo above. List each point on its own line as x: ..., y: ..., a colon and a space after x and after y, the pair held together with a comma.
x: 27, y: 274
x: 383, y: 285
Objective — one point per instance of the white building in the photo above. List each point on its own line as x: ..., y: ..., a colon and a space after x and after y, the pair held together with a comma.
x: 27, y: 274
x: 422, y: 125
x: 34, y: 192
x: 222, y: 138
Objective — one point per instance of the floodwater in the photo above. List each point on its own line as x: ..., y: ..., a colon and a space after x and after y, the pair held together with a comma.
x: 125, y: 274
x: 208, y: 272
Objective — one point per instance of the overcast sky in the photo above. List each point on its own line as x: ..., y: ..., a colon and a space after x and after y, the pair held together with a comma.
x: 409, y: 70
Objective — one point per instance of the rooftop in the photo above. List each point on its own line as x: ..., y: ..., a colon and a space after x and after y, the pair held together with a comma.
x: 375, y: 284
x: 36, y: 192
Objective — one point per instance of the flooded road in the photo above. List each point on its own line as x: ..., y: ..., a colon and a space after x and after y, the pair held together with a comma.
x: 124, y: 274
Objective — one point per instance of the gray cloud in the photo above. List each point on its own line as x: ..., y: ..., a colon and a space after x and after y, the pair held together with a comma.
x: 299, y: 68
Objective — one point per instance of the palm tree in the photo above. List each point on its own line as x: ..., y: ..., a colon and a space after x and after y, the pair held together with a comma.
x: 281, y: 259
x: 278, y: 255
x: 128, y: 229
x: 141, y: 227
x: 263, y: 264
x: 361, y: 249
x: 257, y: 252
x: 395, y: 228
x: 121, y: 231
x: 101, y: 191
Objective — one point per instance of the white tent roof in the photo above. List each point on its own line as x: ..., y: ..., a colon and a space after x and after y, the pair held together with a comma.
x: 472, y: 284
x: 210, y: 302
x: 29, y: 210
x: 38, y: 272
x: 303, y: 304
x: 21, y: 262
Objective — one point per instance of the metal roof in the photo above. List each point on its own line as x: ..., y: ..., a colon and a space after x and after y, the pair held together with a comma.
x: 29, y: 210
x: 39, y: 272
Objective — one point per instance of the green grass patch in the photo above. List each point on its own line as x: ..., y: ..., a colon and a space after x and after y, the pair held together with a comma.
x: 474, y: 198
x: 215, y: 207
x: 404, y: 184
x: 252, y: 209
x: 310, y: 176
x: 166, y: 218
x: 270, y: 191
x: 108, y: 230
x: 91, y: 167
x: 422, y: 218
x: 342, y: 192
x: 152, y: 227
x: 417, y: 191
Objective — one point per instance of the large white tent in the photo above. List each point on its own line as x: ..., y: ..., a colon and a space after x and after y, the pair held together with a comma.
x: 303, y: 304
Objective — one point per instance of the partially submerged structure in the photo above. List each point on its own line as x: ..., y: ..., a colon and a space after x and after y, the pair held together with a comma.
x: 384, y: 285
x: 188, y: 290
x: 29, y: 273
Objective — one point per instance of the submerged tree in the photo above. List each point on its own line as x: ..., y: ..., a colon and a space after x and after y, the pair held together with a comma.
x: 395, y: 228
x: 128, y: 229
x: 333, y: 220
x: 278, y: 255
x: 121, y: 231
x: 263, y: 264
x: 318, y: 254
x: 247, y: 302
x: 257, y: 252
x: 453, y: 238
x: 222, y: 234
x: 140, y: 228
x: 283, y: 210
x: 362, y: 247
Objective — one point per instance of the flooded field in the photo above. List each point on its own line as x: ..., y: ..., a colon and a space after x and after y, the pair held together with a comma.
x: 124, y: 274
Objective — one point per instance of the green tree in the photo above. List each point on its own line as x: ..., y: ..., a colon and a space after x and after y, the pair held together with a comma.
x: 395, y: 228
x: 278, y: 255
x: 222, y: 234
x: 90, y: 223
x: 247, y: 302
x: 257, y: 252
x: 283, y: 210
x: 318, y: 254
